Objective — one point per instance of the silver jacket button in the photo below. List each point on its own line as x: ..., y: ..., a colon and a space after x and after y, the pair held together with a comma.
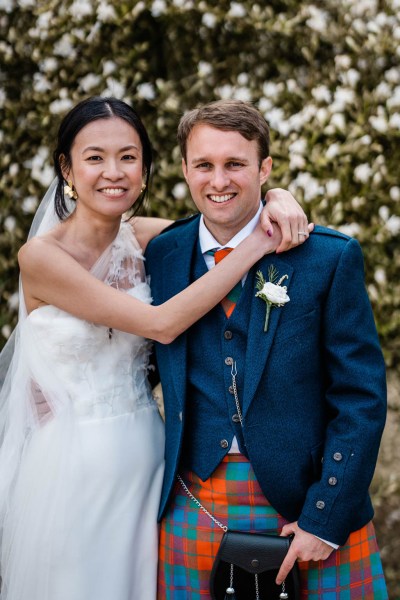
x: 228, y: 335
x: 224, y: 443
x: 229, y: 361
x: 236, y: 418
x: 332, y: 481
x: 320, y: 504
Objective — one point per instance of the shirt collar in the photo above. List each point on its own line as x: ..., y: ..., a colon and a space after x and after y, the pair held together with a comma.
x: 208, y: 241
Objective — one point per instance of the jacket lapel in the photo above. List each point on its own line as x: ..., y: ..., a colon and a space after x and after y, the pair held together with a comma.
x: 259, y: 342
x: 176, y: 277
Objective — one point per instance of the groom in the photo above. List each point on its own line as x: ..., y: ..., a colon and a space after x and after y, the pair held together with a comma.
x: 270, y: 425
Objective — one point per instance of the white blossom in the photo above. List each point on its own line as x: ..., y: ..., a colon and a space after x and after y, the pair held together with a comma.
x: 333, y: 150
x: 343, y: 98
x: 80, y: 9
x: 6, y: 5
x: 146, y: 91
x: 379, y: 123
x: 393, y: 225
x: 2, y: 97
x: 322, y: 94
x: 318, y: 20
x: 322, y: 115
x: 350, y: 229
x: 392, y: 75
x: 309, y: 184
x: 106, y: 12
x: 351, y: 77
x: 333, y: 187
x: 264, y: 105
x: 275, y: 116
x: 224, y: 91
x: 41, y: 83
x: 243, y: 94
x: 380, y: 276
x: 6, y: 331
x: 296, y: 162
x: 204, y: 68
x: 236, y: 10
x: 64, y: 47
x: 13, y: 301
x: 27, y: 3
x: 40, y: 169
x: 394, y: 120
x: 272, y: 90
x: 90, y: 81
x: 60, y: 106
x: 109, y: 67
x: 10, y: 223
x: 384, y: 213
x: 209, y: 20
x: 158, y: 8
x: 342, y: 62
x: 394, y: 100
x: 114, y: 88
x: 14, y: 169
x: 29, y: 204
x: 363, y: 173
x: 299, y: 146
x: 180, y: 191
x: 49, y: 64
x: 366, y: 140
x: 383, y: 90
x: 338, y: 121
x: 243, y: 78
x: 394, y: 193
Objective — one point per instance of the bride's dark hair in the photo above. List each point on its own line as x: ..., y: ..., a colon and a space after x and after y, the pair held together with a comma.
x: 82, y: 114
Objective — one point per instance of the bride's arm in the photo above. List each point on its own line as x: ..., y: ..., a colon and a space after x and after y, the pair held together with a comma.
x: 147, y: 228
x: 51, y: 276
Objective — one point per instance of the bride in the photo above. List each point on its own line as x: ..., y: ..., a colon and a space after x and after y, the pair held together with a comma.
x: 81, y: 460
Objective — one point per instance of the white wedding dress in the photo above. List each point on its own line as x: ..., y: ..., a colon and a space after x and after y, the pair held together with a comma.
x: 80, y: 510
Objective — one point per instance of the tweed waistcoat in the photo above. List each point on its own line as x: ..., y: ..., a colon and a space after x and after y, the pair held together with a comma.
x: 211, y: 415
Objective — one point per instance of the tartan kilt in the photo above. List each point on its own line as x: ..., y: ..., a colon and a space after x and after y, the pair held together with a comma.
x: 189, y: 540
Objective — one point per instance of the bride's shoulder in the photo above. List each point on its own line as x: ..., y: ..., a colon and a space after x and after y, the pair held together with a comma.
x: 46, y: 248
x: 146, y: 228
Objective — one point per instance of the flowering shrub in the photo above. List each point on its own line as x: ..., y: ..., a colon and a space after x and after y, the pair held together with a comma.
x: 325, y: 74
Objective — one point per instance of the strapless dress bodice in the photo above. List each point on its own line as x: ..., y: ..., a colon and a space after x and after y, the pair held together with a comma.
x: 104, y: 372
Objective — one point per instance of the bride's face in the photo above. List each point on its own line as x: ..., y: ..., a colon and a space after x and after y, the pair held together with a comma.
x: 106, y: 166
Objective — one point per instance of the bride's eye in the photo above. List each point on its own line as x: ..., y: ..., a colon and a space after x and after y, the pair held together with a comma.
x: 94, y: 158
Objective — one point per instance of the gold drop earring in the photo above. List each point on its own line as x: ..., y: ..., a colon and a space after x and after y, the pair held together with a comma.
x: 70, y: 191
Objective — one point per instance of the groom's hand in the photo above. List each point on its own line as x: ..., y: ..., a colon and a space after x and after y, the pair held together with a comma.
x: 281, y: 208
x: 304, y: 547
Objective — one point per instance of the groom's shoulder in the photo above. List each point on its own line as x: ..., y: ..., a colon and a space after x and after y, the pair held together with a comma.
x: 174, y: 231
x: 326, y: 237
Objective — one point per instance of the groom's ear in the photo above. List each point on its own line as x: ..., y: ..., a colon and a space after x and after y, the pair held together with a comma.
x: 184, y: 169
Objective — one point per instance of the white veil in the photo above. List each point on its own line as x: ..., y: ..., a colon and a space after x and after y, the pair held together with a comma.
x: 22, y: 409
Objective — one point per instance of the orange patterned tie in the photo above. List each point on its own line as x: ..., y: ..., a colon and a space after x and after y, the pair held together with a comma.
x: 229, y: 302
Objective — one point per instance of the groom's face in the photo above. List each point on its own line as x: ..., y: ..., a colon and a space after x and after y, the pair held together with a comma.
x: 223, y: 172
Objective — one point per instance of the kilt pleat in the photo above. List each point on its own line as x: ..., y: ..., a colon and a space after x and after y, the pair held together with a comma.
x: 189, y: 540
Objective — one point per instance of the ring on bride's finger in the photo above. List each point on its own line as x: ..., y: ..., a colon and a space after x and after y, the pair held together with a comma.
x: 301, y: 233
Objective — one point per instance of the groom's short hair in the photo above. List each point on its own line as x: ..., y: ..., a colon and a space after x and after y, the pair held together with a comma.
x: 227, y: 115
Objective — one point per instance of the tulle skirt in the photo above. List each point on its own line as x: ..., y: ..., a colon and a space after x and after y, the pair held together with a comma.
x: 82, y: 519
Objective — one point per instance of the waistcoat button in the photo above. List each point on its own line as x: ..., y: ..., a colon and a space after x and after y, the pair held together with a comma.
x: 320, y: 504
x: 228, y: 335
x: 229, y: 361
x: 224, y: 443
x: 332, y: 481
x: 235, y: 418
x: 337, y: 456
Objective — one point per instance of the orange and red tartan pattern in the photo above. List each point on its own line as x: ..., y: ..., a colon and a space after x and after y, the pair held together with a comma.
x: 229, y: 302
x: 189, y: 540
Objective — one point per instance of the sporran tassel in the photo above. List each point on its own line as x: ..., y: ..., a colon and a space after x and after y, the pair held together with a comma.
x: 230, y: 591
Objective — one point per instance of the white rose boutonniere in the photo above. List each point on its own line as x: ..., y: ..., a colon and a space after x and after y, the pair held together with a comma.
x: 271, y: 291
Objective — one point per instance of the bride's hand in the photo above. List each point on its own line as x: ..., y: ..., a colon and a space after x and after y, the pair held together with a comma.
x: 266, y: 244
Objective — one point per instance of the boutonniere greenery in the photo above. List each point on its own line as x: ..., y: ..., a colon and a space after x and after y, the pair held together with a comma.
x: 272, y: 291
